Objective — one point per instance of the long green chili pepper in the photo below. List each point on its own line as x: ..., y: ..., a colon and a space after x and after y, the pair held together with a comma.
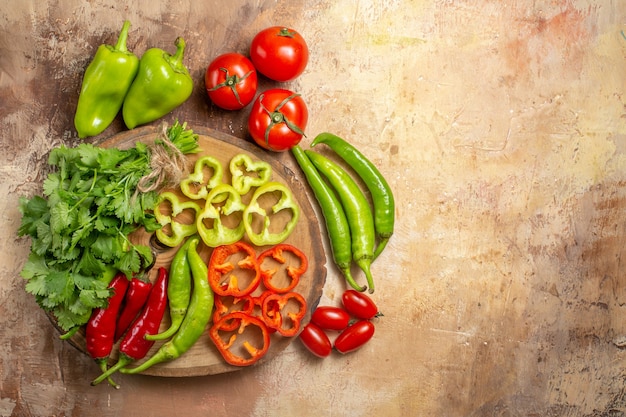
x: 357, y: 209
x: 178, y: 292
x: 334, y: 217
x: 196, y: 319
x: 382, y: 196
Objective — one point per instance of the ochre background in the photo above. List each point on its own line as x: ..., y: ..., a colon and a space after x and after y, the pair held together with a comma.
x: 501, y: 127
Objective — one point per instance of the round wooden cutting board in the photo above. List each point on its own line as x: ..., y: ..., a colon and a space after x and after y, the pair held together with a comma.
x: 203, y: 358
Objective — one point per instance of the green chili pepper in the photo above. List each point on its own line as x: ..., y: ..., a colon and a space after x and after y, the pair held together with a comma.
x: 178, y: 292
x: 106, y: 81
x: 196, y: 319
x: 382, y: 196
x: 162, y: 84
x: 196, y: 186
x: 334, y: 217
x: 177, y: 231
x: 357, y: 210
x: 247, y: 173
x: 229, y: 204
x: 286, y: 202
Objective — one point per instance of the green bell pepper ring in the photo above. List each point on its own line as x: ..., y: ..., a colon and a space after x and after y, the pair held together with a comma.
x: 162, y: 84
x: 177, y: 231
x: 196, y: 186
x: 265, y: 236
x: 247, y: 173
x: 222, y: 202
x: 106, y: 81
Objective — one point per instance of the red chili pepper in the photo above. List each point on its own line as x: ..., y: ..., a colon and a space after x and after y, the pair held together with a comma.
x: 134, y: 345
x: 136, y: 297
x: 292, y: 273
x: 229, y: 304
x: 100, y: 330
x: 233, y: 351
x: 231, y: 266
x: 279, y: 313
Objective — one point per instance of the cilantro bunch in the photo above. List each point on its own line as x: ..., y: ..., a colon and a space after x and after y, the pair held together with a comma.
x: 79, y: 227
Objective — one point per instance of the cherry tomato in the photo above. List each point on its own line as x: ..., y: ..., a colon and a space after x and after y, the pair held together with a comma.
x: 331, y: 318
x: 315, y: 340
x: 231, y: 81
x: 279, y: 53
x: 359, y: 305
x: 354, y: 336
x: 277, y: 119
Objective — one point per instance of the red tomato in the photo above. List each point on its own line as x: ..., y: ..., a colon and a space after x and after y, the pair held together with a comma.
x: 315, y: 340
x: 279, y: 53
x: 359, y: 305
x: 277, y: 119
x: 354, y: 336
x: 331, y: 318
x: 231, y: 81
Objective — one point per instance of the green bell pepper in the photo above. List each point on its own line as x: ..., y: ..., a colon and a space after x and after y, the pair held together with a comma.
x: 247, y: 173
x: 106, y: 81
x: 286, y: 202
x: 177, y: 231
x: 196, y: 186
x: 162, y: 84
x: 222, y: 202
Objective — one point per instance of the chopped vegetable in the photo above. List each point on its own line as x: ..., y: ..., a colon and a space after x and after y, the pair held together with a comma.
x: 266, y: 234
x: 234, y: 270
x: 247, y: 173
x: 282, y: 257
x: 174, y: 230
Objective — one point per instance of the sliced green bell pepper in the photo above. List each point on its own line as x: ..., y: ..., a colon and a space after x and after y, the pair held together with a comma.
x: 218, y: 233
x: 174, y: 234
x: 286, y: 202
x: 247, y: 173
x: 196, y: 186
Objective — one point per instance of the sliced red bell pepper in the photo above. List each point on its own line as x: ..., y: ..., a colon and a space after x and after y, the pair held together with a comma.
x: 228, y: 304
x: 284, y: 312
x: 282, y: 270
x: 250, y: 348
x: 234, y: 270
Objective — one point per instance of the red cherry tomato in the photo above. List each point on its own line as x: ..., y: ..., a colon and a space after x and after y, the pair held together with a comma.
x: 231, y: 81
x: 315, y: 340
x: 277, y: 119
x: 359, y: 305
x: 279, y: 53
x: 331, y: 318
x: 354, y: 336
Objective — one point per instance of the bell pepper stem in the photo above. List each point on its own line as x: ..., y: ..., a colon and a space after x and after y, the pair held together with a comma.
x: 123, y: 37
x: 176, y: 60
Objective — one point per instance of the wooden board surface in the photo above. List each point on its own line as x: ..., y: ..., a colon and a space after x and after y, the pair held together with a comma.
x: 203, y: 358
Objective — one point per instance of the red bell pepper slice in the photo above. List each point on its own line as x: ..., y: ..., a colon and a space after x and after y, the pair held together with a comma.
x: 284, y: 312
x: 244, y: 345
x: 282, y: 263
x: 228, y: 304
x: 234, y: 270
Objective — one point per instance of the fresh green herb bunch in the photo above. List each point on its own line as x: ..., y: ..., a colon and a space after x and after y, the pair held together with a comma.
x: 79, y: 228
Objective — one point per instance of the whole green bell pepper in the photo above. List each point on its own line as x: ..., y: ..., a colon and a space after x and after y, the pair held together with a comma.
x: 162, y: 84
x: 106, y: 81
